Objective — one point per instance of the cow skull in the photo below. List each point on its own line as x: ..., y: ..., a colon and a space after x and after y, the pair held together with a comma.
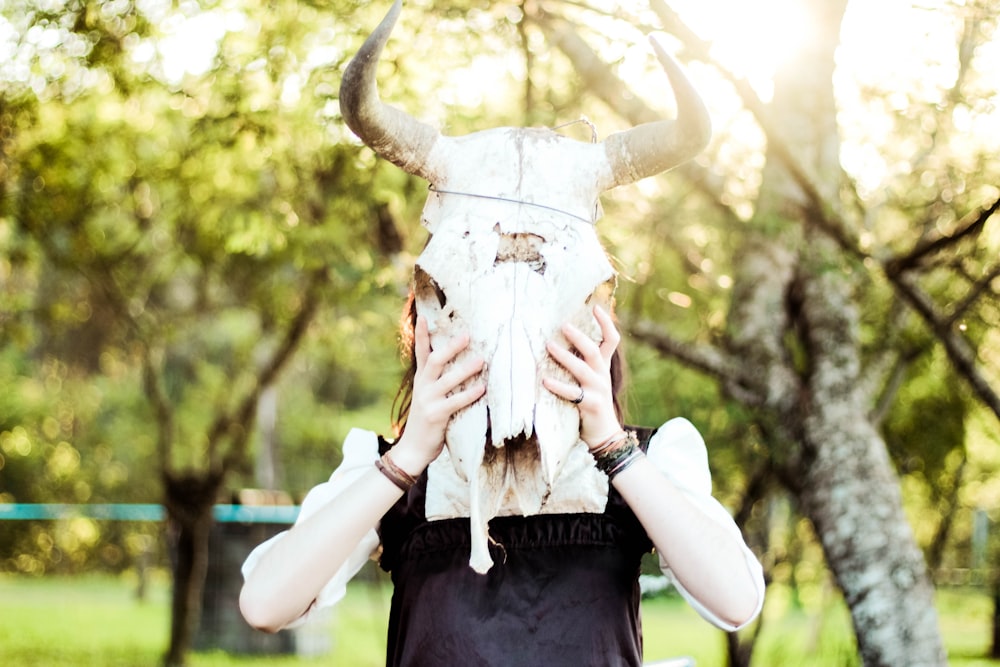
x: 513, y: 254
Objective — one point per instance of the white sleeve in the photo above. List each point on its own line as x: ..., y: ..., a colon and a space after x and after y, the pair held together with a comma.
x: 360, y: 451
x: 678, y: 451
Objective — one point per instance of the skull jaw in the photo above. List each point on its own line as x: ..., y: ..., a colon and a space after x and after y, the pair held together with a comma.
x: 509, y: 482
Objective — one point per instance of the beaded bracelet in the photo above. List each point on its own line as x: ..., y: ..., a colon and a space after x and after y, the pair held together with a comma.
x: 394, y: 473
x: 617, y: 453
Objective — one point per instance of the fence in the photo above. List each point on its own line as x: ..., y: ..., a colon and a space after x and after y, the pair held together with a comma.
x: 277, y: 514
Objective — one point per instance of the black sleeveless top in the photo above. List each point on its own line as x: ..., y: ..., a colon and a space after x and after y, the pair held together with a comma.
x: 563, y: 590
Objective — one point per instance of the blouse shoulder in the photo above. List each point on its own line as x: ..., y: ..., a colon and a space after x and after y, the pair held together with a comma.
x: 678, y: 450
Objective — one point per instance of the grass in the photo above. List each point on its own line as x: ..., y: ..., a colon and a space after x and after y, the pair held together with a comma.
x: 96, y: 621
x: 54, y: 622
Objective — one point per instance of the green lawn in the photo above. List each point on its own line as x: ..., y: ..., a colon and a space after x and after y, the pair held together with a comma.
x: 98, y: 622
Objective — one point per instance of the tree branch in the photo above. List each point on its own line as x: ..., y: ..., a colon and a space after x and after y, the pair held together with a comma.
x: 819, y: 211
x: 902, y: 363
x: 977, y: 290
x: 601, y: 80
x: 237, y: 424
x: 704, y: 358
x: 163, y: 413
x: 973, y: 223
x: 822, y: 214
x: 961, y: 355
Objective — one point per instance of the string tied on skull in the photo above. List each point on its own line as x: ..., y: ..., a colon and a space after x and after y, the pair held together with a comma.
x: 434, y: 188
x: 583, y: 120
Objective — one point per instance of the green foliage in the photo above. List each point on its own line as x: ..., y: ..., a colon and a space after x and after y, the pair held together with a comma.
x: 177, y: 219
x: 59, y: 442
x: 927, y: 422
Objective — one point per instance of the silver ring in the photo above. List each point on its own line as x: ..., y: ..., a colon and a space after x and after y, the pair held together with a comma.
x: 578, y: 399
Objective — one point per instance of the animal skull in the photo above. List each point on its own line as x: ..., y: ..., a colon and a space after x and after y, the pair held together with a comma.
x: 513, y: 254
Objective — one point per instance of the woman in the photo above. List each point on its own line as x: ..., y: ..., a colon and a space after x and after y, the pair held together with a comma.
x: 564, y: 588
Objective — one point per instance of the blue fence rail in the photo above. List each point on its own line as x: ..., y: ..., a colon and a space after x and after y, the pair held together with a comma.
x: 144, y: 512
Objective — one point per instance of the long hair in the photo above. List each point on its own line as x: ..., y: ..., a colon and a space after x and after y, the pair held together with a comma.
x: 404, y: 396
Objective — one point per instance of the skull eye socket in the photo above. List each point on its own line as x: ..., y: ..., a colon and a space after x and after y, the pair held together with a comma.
x: 424, y: 286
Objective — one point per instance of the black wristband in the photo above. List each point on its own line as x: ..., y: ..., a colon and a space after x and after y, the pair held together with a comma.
x: 614, y: 458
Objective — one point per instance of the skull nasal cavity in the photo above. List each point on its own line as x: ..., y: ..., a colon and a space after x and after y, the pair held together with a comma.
x: 521, y: 248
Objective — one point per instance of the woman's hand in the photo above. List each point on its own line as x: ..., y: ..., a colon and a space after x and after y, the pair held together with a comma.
x: 592, y: 372
x: 436, y: 397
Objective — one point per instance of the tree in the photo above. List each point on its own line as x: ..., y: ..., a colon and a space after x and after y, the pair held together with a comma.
x: 193, y: 226
x: 804, y: 270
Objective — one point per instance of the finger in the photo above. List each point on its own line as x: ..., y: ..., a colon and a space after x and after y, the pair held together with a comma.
x: 609, y: 332
x: 563, y: 390
x: 464, y: 398
x: 421, y: 342
x: 576, y: 366
x: 438, y: 359
x: 587, y: 348
x: 460, y: 373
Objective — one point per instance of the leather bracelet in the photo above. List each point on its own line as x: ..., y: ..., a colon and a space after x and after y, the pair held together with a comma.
x: 622, y: 452
x: 634, y: 456
x: 606, y: 444
x: 394, y: 473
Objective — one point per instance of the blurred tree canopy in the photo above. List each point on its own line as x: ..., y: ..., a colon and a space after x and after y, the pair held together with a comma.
x: 185, y: 222
x: 172, y: 240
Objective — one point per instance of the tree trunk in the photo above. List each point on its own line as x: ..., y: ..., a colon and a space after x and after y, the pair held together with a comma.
x: 738, y: 652
x: 852, y: 498
x: 266, y: 468
x: 190, y: 496
x: 950, y: 507
x: 995, y: 644
x: 796, y: 331
x: 850, y: 492
x: 190, y: 500
x: 819, y: 402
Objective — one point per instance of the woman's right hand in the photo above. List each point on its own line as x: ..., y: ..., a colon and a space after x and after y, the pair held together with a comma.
x: 436, y: 397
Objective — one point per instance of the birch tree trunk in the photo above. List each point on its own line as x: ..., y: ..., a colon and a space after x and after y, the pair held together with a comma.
x: 816, y: 405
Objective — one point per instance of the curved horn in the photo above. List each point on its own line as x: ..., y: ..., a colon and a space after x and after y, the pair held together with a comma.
x: 652, y: 148
x: 396, y: 136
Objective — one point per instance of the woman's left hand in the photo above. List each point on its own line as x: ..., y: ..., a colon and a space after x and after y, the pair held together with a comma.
x: 592, y: 372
